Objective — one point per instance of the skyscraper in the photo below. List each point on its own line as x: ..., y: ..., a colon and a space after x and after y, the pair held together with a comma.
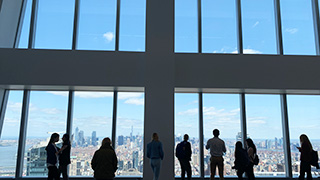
x: 120, y: 140
x: 135, y: 159
x: 94, y: 139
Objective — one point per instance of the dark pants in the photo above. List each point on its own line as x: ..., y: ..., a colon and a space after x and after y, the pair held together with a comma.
x: 249, y: 171
x: 216, y: 161
x: 240, y: 173
x: 305, y: 167
x: 53, y: 173
x: 185, y: 166
x: 64, y: 171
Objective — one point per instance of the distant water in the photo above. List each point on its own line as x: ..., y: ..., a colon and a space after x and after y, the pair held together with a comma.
x: 8, y: 156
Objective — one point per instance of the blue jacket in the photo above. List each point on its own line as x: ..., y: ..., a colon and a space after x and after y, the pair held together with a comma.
x: 154, y: 150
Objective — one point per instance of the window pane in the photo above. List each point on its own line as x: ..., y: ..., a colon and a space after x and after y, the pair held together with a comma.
x: 92, y: 121
x: 10, y: 134
x: 47, y: 115
x: 297, y: 27
x: 25, y: 23
x: 97, y: 21
x: 219, y: 26
x: 129, y: 134
x: 263, y: 117
x: 221, y: 111
x: 304, y: 118
x: 54, y: 26
x: 186, y: 26
x: 187, y: 122
x: 258, y: 27
x: 132, y: 25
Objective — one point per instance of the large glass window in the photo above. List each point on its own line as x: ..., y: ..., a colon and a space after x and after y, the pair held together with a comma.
x: 258, y: 27
x: 186, y: 26
x: 92, y: 121
x: 263, y: 117
x: 304, y: 118
x: 97, y: 21
x: 132, y: 25
x: 25, y: 25
x: 221, y: 111
x: 9, y: 137
x: 129, y: 134
x: 54, y: 26
x: 219, y: 26
x: 47, y: 115
x: 187, y: 122
x: 297, y: 27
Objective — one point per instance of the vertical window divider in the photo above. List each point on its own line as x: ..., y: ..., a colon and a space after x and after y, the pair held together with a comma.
x: 201, y: 139
x: 286, y: 135
x: 315, y: 12
x: 239, y: 23
x: 117, y: 25
x: 33, y: 21
x: 199, y: 27
x: 4, y: 102
x: 70, y: 112
x: 23, y: 133
x: 20, y: 23
x: 114, y: 118
x: 279, y: 39
x: 243, y: 117
x: 75, y: 25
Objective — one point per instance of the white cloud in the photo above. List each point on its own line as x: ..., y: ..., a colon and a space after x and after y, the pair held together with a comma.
x: 59, y: 93
x: 257, y: 120
x: 135, y: 101
x: 129, y: 95
x: 108, y: 36
x: 191, y: 112
x: 292, y: 30
x: 256, y: 24
x: 13, y: 106
x: 249, y: 51
x: 52, y: 111
x: 93, y: 94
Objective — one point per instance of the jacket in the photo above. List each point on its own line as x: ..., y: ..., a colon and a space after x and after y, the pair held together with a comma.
x: 154, y: 150
x: 64, y: 158
x: 52, y: 158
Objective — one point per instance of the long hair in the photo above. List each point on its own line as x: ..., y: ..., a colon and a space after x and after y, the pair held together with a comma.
x: 305, y: 140
x: 66, y: 138
x: 155, y: 137
x: 238, y: 147
x: 52, y: 138
x: 251, y: 145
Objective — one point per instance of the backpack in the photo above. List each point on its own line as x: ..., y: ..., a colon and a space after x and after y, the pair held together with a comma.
x: 180, y: 152
x: 256, y: 159
x: 314, y: 159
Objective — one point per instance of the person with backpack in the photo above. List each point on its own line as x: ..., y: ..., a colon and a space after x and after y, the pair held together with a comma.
x: 253, y: 158
x: 183, y: 153
x: 241, y: 160
x: 305, y: 157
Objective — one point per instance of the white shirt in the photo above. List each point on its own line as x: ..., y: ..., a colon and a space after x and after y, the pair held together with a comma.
x: 216, y: 146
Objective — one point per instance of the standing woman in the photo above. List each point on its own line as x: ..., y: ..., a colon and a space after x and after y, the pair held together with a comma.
x: 155, y: 154
x: 64, y: 158
x: 52, y: 157
x: 241, y: 160
x: 252, y: 151
x: 305, y: 157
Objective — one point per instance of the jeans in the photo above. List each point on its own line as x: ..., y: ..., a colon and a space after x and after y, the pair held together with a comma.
x: 305, y: 167
x: 185, y: 166
x: 216, y: 161
x: 155, y: 165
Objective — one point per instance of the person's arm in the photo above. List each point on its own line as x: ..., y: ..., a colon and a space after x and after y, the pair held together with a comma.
x: 94, y: 161
x: 115, y: 162
x: 208, y: 145
x: 250, y: 154
x: 148, y: 151
x: 63, y: 148
x: 188, y: 149
x: 161, y: 151
x: 224, y: 147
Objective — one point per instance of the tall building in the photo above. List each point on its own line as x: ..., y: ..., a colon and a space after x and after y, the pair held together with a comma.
x: 120, y: 140
x: 94, y: 139
x: 135, y: 159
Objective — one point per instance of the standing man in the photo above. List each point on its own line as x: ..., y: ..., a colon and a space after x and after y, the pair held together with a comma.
x: 183, y: 153
x: 217, y: 149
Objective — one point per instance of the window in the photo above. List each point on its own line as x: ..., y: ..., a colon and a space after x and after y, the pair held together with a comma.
x: 25, y: 26
x: 129, y: 134
x: 304, y: 115
x: 54, y: 26
x: 219, y: 26
x: 221, y: 111
x: 132, y: 25
x: 92, y: 121
x: 258, y: 27
x: 10, y: 134
x: 47, y: 115
x: 187, y: 122
x: 297, y: 27
x: 263, y: 117
x: 186, y: 26
x: 97, y: 21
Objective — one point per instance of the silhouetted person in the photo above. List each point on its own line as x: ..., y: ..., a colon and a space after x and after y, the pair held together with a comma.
x: 52, y: 157
x: 183, y: 153
x: 217, y: 149
x: 104, y: 162
x: 305, y: 157
x: 241, y: 160
x: 64, y: 158
x: 252, y: 152
x: 155, y: 154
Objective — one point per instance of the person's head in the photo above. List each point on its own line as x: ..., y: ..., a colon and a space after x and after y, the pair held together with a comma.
x: 216, y: 133
x: 186, y: 137
x: 54, y: 138
x: 66, y: 138
x: 250, y: 144
x: 238, y: 145
x: 305, y: 140
x: 155, y: 137
x: 106, y: 141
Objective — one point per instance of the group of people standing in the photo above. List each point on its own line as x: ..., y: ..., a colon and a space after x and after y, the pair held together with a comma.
x: 104, y: 162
